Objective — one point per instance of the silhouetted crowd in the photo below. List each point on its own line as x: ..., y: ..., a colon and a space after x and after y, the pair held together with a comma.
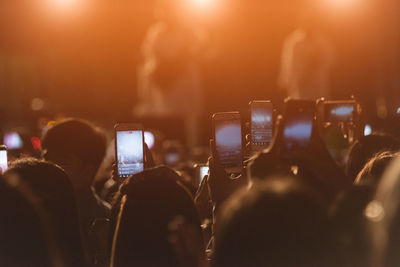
x: 332, y: 201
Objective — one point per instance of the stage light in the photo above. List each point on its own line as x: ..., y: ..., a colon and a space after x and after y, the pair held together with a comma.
x: 203, y: 6
x: 341, y: 4
x: 66, y: 7
x: 202, y: 3
x: 65, y: 3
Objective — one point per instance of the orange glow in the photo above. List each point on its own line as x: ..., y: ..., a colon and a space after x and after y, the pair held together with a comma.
x: 202, y: 3
x: 65, y: 5
x: 341, y: 4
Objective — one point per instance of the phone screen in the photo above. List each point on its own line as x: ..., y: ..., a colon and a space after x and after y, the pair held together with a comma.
x: 203, y: 171
x: 3, y: 161
x: 261, y: 123
x: 228, y: 141
x: 298, y: 129
x: 339, y: 112
x: 129, y: 152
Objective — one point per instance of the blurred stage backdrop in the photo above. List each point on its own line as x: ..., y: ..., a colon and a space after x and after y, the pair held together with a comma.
x: 80, y: 57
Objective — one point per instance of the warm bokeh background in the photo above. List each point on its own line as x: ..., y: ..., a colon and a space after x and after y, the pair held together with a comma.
x: 80, y: 56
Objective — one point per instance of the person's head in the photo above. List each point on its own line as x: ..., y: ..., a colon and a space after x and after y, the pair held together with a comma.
x: 372, y: 172
x: 53, y: 189
x: 350, y: 227
x: 78, y: 147
x: 365, y: 148
x: 26, y: 235
x: 151, y: 202
x: 277, y: 223
x: 383, y: 217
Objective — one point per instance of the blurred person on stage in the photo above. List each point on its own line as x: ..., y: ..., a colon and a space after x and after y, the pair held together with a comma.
x: 169, y: 77
x: 308, y: 57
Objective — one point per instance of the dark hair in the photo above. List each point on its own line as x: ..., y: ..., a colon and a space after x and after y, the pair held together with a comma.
x: 365, y: 148
x: 54, y: 190
x: 150, y: 204
x: 350, y: 225
x: 26, y: 234
x: 383, y: 217
x: 276, y: 223
x: 372, y: 172
x: 76, y: 137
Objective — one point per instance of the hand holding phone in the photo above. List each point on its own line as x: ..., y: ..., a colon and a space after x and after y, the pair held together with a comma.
x: 129, y: 149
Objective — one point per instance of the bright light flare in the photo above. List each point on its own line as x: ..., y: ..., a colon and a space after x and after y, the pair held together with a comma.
x: 66, y: 6
x: 204, y: 6
x: 64, y: 3
x: 340, y: 4
x: 202, y: 3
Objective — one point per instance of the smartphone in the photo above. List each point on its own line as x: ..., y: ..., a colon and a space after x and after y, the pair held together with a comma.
x: 228, y: 140
x: 201, y: 172
x: 261, y: 124
x: 129, y: 149
x: 3, y: 158
x: 340, y: 111
x: 298, y: 124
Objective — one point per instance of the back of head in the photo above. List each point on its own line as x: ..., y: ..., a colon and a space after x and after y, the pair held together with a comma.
x: 74, y: 138
x: 350, y: 226
x: 372, y: 172
x: 383, y: 216
x: 365, y: 148
x: 277, y: 223
x: 25, y: 233
x: 150, y: 204
x: 50, y: 184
